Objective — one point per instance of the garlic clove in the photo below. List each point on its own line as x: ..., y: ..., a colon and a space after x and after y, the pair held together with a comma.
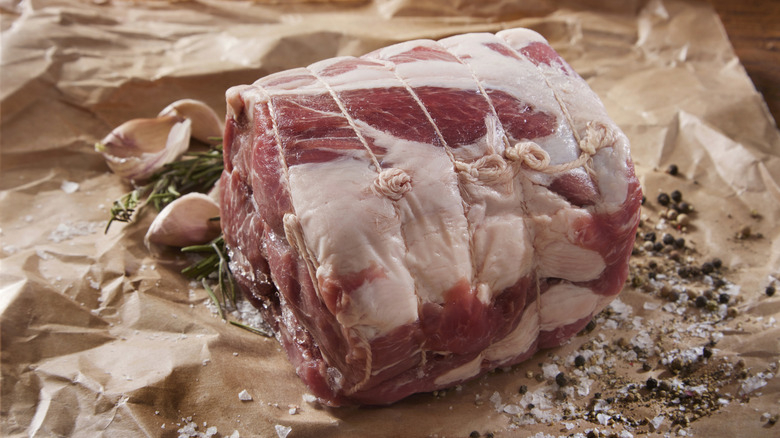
x: 215, y: 192
x: 186, y: 221
x: 206, y: 124
x: 136, y: 149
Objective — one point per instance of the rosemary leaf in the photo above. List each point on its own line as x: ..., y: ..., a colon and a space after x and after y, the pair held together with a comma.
x: 213, y: 298
x: 262, y: 332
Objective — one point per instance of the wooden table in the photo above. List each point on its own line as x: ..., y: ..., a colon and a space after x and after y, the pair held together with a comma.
x: 753, y: 27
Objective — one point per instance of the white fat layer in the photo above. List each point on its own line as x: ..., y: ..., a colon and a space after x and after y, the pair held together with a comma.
x: 565, y: 303
x: 432, y: 220
x: 610, y: 164
x: 519, y: 340
x: 502, y: 253
x: 561, y: 259
x: 463, y: 372
x: 348, y: 229
x: 520, y: 79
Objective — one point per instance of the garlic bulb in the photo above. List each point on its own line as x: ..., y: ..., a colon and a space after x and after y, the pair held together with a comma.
x: 136, y: 149
x: 184, y: 222
x: 206, y: 124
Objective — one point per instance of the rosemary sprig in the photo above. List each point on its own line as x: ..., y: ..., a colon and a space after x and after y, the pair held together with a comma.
x: 196, y: 172
x: 215, y: 260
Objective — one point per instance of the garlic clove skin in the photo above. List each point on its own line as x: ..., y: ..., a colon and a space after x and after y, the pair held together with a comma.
x: 138, y: 148
x: 206, y: 124
x: 184, y: 222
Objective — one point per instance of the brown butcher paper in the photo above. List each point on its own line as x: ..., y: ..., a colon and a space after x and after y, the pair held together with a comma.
x: 99, y: 338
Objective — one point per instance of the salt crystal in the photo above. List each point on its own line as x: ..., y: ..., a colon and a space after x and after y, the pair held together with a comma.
x: 235, y: 434
x: 69, y: 186
x: 626, y: 434
x: 308, y: 398
x: 752, y: 383
x: 211, y: 431
x: 282, y: 431
x: 495, y: 398
x: 656, y: 422
x: 550, y: 370
x: 512, y: 409
x: 603, y: 419
x: 244, y: 396
x: 650, y: 306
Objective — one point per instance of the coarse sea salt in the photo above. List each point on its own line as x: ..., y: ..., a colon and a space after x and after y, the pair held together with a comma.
x: 282, y: 431
x: 69, y: 186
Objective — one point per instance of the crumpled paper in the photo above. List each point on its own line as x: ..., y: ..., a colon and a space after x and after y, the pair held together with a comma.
x: 100, y: 339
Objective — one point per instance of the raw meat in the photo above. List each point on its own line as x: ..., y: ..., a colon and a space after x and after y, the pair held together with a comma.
x: 415, y: 217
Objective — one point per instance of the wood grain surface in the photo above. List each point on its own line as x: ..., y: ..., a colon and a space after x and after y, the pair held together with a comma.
x: 753, y: 26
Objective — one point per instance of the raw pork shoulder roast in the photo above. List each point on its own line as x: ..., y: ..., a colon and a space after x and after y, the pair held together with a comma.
x: 415, y: 217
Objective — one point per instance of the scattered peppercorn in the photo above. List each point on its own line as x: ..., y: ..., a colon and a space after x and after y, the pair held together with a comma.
x: 579, y: 361
x: 561, y: 379
x: 523, y: 389
x: 663, y: 199
x: 646, y: 366
x: 668, y: 239
x: 769, y: 291
x: 707, y: 268
x: 674, y: 296
x: 723, y: 298
x: 684, y: 207
x: 707, y: 353
x: 658, y: 246
x: 591, y: 325
x: 679, y: 243
x: 649, y: 237
x: 676, y: 196
x: 489, y: 435
x: 718, y: 283
x: 672, y: 169
x: 474, y: 434
x: 701, y: 301
x: 644, y: 198
x: 651, y: 384
x: 717, y: 263
x: 597, y: 395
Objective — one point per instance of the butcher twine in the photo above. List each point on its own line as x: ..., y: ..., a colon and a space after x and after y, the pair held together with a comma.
x: 393, y: 183
x: 597, y: 136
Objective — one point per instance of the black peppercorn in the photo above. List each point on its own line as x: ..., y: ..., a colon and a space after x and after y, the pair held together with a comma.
x: 718, y: 283
x: 579, y: 361
x: 707, y: 353
x: 684, y: 272
x: 561, y: 380
x: 658, y: 246
x: 707, y: 268
x: 474, y: 434
x: 679, y: 243
x: 663, y: 199
x: 672, y: 169
x: 717, y: 263
x: 591, y: 325
x: 769, y: 291
x: 651, y: 383
x: 723, y: 298
x: 701, y: 301
x: 649, y: 237
x: 523, y: 389
x: 668, y: 239
x: 683, y: 207
x: 676, y: 196
x: 644, y: 198
x: 652, y: 265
